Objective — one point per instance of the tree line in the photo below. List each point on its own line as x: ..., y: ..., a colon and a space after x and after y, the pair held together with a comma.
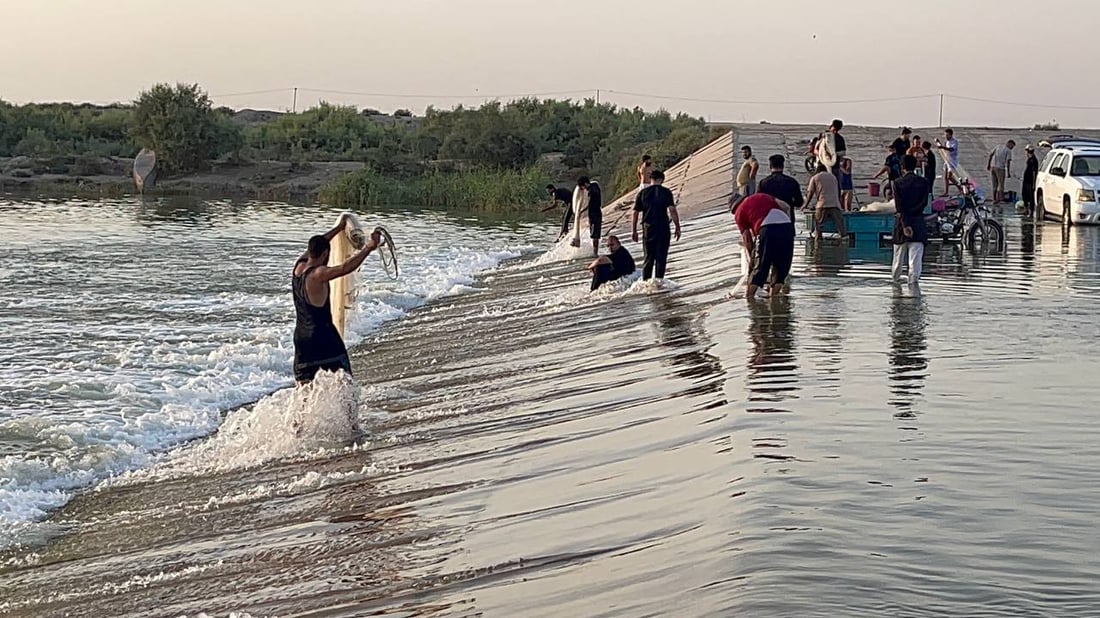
x: 188, y: 133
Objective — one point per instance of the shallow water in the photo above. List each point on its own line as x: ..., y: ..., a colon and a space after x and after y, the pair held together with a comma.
x: 534, y: 450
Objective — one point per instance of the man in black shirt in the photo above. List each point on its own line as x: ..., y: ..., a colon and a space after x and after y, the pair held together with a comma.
x: 617, y: 263
x: 901, y: 143
x: 911, y: 193
x: 929, y: 170
x: 1027, y: 189
x: 565, y: 196
x: 781, y: 186
x: 654, y: 204
x: 595, y: 214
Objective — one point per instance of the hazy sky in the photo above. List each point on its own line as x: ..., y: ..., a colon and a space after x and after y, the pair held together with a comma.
x: 723, y: 50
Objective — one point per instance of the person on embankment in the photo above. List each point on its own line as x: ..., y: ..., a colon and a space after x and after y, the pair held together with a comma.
x: 616, y: 264
x: 317, y: 344
x: 766, y: 232
x: 655, y: 205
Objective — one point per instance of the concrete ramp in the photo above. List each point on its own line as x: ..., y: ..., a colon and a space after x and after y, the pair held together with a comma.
x: 701, y: 182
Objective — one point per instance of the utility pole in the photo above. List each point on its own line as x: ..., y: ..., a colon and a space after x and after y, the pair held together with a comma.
x: 294, y: 106
x: 597, y: 96
x: 941, y: 110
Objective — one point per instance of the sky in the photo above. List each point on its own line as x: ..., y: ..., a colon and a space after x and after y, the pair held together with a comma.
x: 725, y: 60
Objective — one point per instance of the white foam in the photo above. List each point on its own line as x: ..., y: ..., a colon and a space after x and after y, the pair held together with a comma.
x: 564, y: 252
x: 173, y: 384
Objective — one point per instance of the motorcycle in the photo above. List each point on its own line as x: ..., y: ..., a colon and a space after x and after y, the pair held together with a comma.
x: 966, y: 218
x: 811, y: 156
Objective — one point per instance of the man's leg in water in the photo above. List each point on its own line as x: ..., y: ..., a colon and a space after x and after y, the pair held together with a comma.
x: 782, y: 245
x: 602, y: 274
x: 649, y: 255
x: 304, y: 373
x: 761, y: 265
x: 594, y: 228
x: 566, y: 222
x: 662, y: 254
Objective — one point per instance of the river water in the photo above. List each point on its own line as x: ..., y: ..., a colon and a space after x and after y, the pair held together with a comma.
x: 531, y: 449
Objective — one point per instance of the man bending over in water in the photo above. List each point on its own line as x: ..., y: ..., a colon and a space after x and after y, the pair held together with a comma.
x: 616, y: 264
x: 317, y: 343
x: 767, y: 231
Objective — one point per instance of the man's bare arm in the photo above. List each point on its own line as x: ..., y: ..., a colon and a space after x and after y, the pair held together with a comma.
x: 675, y: 220
x: 328, y: 273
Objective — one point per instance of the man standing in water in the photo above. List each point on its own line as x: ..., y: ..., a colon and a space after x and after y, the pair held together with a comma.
x: 595, y: 215
x: 781, y: 186
x: 910, y: 198
x: 1027, y: 190
x: 565, y: 196
x: 767, y: 232
x: 317, y: 344
x: 655, y: 204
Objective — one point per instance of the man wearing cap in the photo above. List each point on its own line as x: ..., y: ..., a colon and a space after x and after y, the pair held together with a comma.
x: 1031, y: 171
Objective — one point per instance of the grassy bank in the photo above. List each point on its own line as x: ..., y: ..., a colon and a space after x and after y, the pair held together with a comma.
x: 477, y: 189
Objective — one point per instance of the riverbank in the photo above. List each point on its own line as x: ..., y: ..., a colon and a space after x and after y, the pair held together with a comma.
x: 346, y: 182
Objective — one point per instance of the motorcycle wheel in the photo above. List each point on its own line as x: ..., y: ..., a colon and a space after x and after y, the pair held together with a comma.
x: 991, y: 240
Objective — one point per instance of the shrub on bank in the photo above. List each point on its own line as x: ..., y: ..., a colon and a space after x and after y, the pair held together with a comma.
x: 479, y: 189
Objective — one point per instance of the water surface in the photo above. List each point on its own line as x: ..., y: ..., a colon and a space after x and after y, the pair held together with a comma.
x: 534, y: 450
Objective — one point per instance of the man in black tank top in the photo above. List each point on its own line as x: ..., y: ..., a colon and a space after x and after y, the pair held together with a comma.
x: 317, y: 343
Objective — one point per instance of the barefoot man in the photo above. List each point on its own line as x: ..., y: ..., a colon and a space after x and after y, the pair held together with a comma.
x: 767, y: 233
x: 655, y: 204
x: 317, y: 344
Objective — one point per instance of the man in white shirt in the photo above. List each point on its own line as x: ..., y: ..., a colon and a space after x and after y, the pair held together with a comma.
x: 1000, y: 167
x: 950, y: 150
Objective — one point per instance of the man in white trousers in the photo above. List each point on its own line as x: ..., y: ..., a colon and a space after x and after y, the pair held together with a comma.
x: 910, y: 198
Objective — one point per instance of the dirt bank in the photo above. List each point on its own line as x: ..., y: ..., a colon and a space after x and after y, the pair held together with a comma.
x: 85, y: 176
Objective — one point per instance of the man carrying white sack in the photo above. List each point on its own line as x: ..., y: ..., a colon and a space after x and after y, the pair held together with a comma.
x: 580, y: 206
x: 317, y: 343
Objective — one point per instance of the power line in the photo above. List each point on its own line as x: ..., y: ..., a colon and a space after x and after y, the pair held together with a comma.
x: 476, y: 95
x: 243, y: 94
x: 1017, y: 104
x: 737, y: 102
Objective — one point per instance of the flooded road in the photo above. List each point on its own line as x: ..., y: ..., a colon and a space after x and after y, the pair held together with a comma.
x: 536, y: 450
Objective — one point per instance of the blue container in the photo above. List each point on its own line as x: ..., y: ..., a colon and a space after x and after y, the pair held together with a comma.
x: 864, y: 229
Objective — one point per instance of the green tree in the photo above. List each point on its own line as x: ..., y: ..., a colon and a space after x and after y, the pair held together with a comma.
x: 179, y: 123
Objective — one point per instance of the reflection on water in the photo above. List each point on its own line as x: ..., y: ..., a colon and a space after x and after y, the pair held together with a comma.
x: 535, y: 450
x: 772, y: 365
x: 682, y: 326
x: 908, y: 360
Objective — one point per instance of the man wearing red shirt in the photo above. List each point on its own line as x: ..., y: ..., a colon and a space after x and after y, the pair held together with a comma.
x: 767, y: 232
